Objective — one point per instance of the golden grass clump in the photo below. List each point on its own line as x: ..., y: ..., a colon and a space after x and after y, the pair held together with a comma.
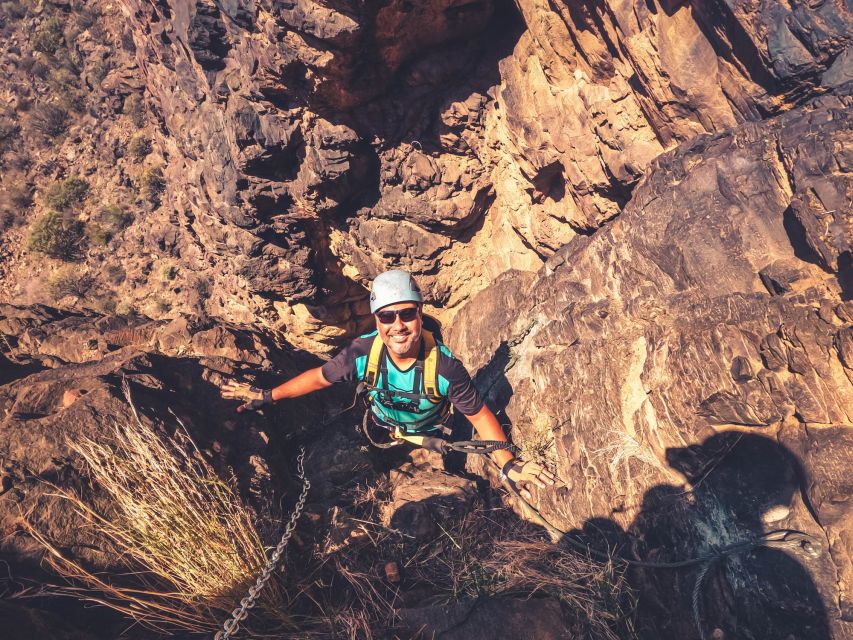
x: 187, y: 540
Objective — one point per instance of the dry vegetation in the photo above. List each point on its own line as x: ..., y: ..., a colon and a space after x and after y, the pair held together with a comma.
x: 191, y: 549
x: 183, y: 534
x: 483, y: 553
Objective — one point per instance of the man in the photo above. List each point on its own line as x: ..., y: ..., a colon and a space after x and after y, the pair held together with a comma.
x: 411, y: 378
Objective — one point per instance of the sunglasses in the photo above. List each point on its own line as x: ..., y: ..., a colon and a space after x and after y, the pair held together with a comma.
x: 406, y: 315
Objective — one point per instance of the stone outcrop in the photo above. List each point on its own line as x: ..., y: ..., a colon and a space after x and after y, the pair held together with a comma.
x: 307, y: 146
x: 633, y: 218
x: 717, y: 303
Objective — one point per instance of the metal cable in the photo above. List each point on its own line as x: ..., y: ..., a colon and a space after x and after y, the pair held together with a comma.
x: 697, y: 596
x: 242, y: 612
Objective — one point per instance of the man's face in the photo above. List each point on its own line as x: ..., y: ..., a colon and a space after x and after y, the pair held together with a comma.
x: 402, y: 338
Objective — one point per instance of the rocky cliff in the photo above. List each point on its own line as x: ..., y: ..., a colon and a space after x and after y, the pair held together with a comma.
x: 633, y: 218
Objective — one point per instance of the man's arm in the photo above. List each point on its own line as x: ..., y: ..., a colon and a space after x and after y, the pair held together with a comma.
x: 306, y: 382
x: 488, y: 428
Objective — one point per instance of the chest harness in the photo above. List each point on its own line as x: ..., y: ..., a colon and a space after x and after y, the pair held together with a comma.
x: 424, y: 386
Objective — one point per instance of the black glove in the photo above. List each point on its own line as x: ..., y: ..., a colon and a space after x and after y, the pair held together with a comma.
x: 254, y: 405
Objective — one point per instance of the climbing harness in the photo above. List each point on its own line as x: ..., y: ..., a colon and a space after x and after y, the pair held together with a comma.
x: 778, y: 538
x: 426, y: 375
x: 241, y: 613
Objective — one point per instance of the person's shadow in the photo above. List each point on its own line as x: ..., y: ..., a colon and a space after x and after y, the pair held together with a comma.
x: 744, y: 485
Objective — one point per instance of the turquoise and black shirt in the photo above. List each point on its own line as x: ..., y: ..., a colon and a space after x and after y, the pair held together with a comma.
x: 454, y: 384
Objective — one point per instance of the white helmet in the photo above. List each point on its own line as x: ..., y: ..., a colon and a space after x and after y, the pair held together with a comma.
x: 392, y: 287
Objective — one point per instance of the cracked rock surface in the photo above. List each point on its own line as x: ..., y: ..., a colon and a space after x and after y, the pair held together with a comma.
x: 633, y: 218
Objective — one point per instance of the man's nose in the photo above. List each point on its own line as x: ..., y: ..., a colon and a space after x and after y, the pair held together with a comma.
x: 398, y: 322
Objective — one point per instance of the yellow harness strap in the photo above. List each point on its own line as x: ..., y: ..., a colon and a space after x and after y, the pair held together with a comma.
x: 431, y: 368
x: 371, y: 373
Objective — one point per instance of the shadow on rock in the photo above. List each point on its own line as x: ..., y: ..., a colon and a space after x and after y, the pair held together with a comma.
x: 744, y: 485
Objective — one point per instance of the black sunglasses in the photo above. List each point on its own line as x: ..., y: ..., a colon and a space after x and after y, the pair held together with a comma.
x: 406, y: 315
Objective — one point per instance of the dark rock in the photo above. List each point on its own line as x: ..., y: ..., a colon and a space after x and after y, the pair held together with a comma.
x: 490, y: 619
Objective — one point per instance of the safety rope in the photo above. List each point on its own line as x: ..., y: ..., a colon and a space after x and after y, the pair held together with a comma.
x: 241, y: 613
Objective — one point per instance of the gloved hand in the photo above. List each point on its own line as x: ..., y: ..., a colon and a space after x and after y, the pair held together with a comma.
x: 256, y: 397
x: 519, y: 472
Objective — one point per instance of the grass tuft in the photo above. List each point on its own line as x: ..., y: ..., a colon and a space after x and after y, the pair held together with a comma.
x: 184, y: 536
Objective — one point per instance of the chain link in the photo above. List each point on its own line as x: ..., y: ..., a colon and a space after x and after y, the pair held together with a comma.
x: 239, y: 614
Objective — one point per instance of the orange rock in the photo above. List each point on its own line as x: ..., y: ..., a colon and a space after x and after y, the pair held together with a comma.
x: 70, y: 396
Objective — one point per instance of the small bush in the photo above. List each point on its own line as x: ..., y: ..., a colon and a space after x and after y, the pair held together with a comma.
x: 97, y: 235
x: 55, y: 235
x: 14, y: 201
x: 151, y: 184
x: 50, y: 120
x: 135, y: 109
x: 86, y: 18
x: 69, y: 281
x: 114, y: 218
x: 9, y: 130
x: 63, y: 80
x: 63, y: 194
x: 49, y: 37
x: 125, y: 308
x: 106, y: 305
x: 100, y: 70
x: 18, y: 193
x: 139, y: 147
x: 168, y: 272
x: 162, y: 306
x: 115, y: 274
x: 13, y: 10
x: 184, y: 535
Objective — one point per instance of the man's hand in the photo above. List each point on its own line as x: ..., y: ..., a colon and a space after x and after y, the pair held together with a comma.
x: 256, y: 398
x: 518, y: 472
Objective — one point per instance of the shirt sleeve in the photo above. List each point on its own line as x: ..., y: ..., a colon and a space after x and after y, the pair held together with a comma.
x: 461, y: 391
x: 342, y: 368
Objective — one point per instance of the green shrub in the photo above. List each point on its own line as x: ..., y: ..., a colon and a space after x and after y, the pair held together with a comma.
x: 57, y: 235
x: 151, y: 184
x: 49, y: 37
x: 135, y: 109
x: 13, y: 10
x: 113, y: 218
x: 63, y: 194
x: 97, y: 234
x: 106, y: 305
x: 63, y: 80
x: 49, y: 119
x: 138, y: 147
x: 69, y: 281
x: 168, y: 272
x: 9, y: 130
x: 100, y: 70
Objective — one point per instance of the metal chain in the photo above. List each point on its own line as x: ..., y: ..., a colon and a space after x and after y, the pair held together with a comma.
x: 242, y: 612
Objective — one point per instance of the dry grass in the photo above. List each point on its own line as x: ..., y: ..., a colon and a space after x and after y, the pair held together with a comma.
x: 190, y: 551
x: 187, y: 542
x: 480, y: 553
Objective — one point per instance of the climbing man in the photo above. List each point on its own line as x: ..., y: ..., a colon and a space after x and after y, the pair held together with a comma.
x: 411, y: 378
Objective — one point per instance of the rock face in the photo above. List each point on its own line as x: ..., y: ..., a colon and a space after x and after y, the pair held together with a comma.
x: 633, y: 217
x: 699, y: 337
x: 307, y: 146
